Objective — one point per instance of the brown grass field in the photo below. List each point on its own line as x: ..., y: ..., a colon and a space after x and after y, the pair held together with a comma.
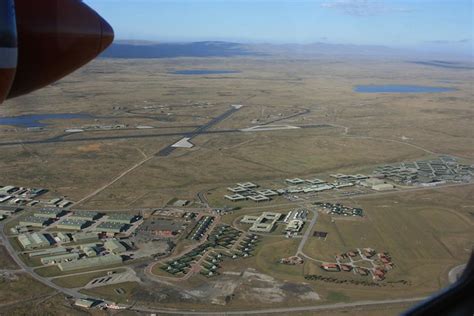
x: 427, y: 232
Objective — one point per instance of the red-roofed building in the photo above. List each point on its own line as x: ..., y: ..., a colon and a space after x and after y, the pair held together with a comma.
x: 164, y: 233
x: 346, y: 267
x: 331, y: 267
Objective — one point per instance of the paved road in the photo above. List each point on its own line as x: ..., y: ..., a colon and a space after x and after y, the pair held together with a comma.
x: 305, y: 111
x: 30, y: 270
x: 112, y: 137
x: 203, y: 199
x: 200, y: 130
x: 307, y: 232
x: 162, y: 153
x: 203, y: 129
x: 76, y: 294
x: 193, y: 270
x: 286, y: 310
x: 120, y: 176
x: 60, y: 139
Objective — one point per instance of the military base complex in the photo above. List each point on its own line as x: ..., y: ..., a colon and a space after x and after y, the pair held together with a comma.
x: 52, y: 235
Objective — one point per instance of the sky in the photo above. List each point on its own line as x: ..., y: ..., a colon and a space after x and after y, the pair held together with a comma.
x: 422, y: 24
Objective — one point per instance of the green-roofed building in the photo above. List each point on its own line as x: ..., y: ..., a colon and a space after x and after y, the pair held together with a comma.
x: 121, y: 218
x: 90, y: 251
x: 50, y: 212
x: 92, y: 244
x: 33, y: 241
x: 114, y: 246
x: 111, y: 227
x: 66, y: 257
x: 84, y: 215
x: 72, y: 224
x: 63, y: 237
x: 90, y: 262
x: 33, y: 221
x: 48, y: 252
x: 85, y: 237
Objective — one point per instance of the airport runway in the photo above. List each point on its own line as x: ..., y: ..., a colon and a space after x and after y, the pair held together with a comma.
x: 200, y: 130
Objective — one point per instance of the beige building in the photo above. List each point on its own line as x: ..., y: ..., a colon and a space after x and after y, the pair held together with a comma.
x: 263, y: 223
x: 383, y: 187
x: 33, y: 241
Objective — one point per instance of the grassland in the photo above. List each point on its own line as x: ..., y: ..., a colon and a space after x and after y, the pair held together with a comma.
x: 376, y: 125
x: 426, y: 232
x: 80, y: 280
x: 54, y: 271
x: 50, y: 305
x: 109, y: 291
x: 6, y: 262
x: 22, y: 289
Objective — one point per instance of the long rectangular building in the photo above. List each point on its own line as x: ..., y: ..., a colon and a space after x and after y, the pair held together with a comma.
x: 84, y: 215
x: 121, y: 218
x: 72, y: 224
x: 114, y: 246
x: 263, y: 223
x: 111, y: 227
x: 48, y: 252
x: 33, y: 241
x: 49, y: 213
x: 66, y: 257
x: 90, y: 262
x: 85, y: 237
x: 32, y: 221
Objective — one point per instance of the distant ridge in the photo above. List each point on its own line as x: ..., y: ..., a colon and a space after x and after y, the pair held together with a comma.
x: 143, y: 49
x: 130, y: 49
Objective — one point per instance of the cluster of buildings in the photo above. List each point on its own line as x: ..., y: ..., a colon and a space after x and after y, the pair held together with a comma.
x: 69, y: 253
x: 427, y: 172
x: 294, y: 260
x: 58, y: 202
x: 75, y: 240
x: 6, y: 211
x: 77, y: 221
x: 20, y: 196
x: 351, y: 262
x: 211, y: 263
x: 266, y: 222
x: 340, y: 210
x: 251, y: 191
x: 422, y: 172
x: 223, y: 242
x: 95, y: 127
x: 294, y: 221
x: 201, y: 227
x: 174, y: 213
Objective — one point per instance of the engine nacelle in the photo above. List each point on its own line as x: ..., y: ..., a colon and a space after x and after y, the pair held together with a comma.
x: 43, y: 41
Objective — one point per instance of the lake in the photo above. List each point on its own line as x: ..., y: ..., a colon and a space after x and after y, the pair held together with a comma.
x: 204, y: 72
x: 400, y: 89
x: 35, y: 120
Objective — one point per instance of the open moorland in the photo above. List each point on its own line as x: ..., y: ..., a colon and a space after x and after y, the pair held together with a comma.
x: 117, y: 155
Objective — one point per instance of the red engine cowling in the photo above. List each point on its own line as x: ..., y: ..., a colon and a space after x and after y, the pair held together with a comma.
x: 55, y: 37
x: 8, y: 47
